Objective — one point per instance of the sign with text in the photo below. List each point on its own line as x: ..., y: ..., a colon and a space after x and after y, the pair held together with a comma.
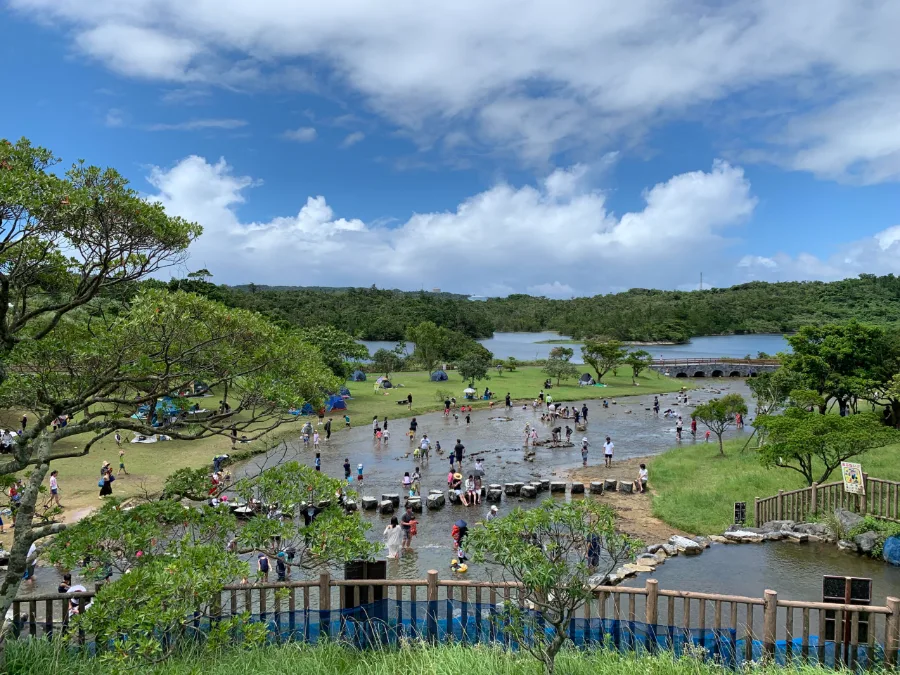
x: 853, y: 478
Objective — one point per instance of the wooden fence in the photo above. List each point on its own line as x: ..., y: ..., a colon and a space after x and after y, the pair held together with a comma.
x: 734, y: 629
x: 688, y: 361
x: 881, y: 500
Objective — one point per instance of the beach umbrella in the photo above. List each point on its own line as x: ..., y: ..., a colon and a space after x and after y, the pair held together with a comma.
x: 469, y: 390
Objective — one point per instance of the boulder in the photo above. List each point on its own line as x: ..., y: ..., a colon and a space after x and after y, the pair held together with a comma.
x: 545, y: 485
x: 435, y: 492
x: 638, y: 569
x: 685, y: 545
x: 626, y: 486
x: 512, y: 489
x: 847, y: 519
x: 866, y: 541
x: 848, y: 546
x: 744, y: 536
x: 671, y: 550
x: 350, y: 506
x: 385, y: 507
x: 577, y: 488
x: 817, y: 529
x: 744, y: 528
x: 799, y: 537
x: 610, y: 484
x: 596, y: 487
x: 653, y: 548
x: 415, y: 503
x: 453, y: 498
x: 494, y: 495
x: 778, y: 526
x: 891, y: 551
x: 774, y: 536
x: 436, y: 501
x: 528, y: 492
x: 369, y: 503
x: 660, y: 557
x: 703, y: 541
x: 648, y: 559
x: 495, y: 486
x: 625, y: 571
x: 719, y: 539
x: 394, y: 498
x: 557, y: 486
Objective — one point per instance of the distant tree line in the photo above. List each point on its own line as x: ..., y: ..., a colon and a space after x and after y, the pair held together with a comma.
x: 637, y: 315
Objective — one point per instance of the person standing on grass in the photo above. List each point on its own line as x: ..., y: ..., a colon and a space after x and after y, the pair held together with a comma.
x: 328, y: 429
x: 54, y: 490
x: 118, y: 438
x: 24, y: 423
x: 105, y: 480
x: 409, y: 401
x: 121, y: 463
x: 608, y: 452
x: 233, y: 436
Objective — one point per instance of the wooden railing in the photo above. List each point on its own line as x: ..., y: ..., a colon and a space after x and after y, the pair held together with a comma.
x: 734, y: 629
x: 881, y: 500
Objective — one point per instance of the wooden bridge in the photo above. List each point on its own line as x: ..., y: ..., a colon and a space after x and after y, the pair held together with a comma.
x: 721, y: 367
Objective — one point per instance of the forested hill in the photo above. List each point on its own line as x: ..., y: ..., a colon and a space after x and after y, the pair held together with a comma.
x: 638, y: 314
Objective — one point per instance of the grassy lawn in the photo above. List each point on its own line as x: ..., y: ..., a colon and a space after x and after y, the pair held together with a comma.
x: 42, y: 658
x: 148, y: 465
x: 694, y: 488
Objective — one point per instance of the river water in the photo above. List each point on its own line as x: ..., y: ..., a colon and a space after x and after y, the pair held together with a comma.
x: 529, y: 347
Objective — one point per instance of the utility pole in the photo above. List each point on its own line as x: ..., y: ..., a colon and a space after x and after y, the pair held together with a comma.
x: 701, y: 281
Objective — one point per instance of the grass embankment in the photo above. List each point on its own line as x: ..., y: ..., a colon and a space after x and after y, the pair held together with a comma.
x: 148, y: 465
x: 694, y: 488
x: 43, y: 658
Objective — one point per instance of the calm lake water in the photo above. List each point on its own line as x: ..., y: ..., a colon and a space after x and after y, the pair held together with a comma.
x: 528, y: 347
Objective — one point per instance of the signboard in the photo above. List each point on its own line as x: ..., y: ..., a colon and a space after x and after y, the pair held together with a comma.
x: 740, y: 513
x: 846, y: 591
x: 853, y: 478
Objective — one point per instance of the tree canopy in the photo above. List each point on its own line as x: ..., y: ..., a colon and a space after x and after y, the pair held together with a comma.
x: 719, y: 414
x: 603, y: 355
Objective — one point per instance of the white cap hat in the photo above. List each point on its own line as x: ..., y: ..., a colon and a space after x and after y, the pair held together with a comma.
x: 584, y: 440
x: 494, y: 508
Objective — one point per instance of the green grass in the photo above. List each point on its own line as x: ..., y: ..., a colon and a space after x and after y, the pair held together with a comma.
x: 44, y: 658
x: 695, y: 488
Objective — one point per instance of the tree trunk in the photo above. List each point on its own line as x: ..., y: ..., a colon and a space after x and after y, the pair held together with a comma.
x: 22, y: 539
x: 721, y: 445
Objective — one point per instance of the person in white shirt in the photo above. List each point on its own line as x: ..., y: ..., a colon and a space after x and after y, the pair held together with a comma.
x: 640, y: 484
x: 608, y: 452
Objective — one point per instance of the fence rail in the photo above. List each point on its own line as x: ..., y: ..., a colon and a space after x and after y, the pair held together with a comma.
x: 881, y: 500
x: 734, y: 629
x: 703, y: 362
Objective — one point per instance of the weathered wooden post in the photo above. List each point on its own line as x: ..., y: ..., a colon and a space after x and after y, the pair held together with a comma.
x: 814, y: 502
x: 864, y: 497
x: 651, y: 612
x: 770, y: 620
x: 892, y: 627
x: 325, y: 604
x: 431, y: 628
x: 780, y: 505
x: 756, y: 514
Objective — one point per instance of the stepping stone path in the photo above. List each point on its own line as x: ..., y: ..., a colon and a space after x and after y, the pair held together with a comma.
x: 436, y: 501
x: 610, y: 484
x: 596, y: 487
x: 393, y: 498
x: 350, y: 506
x: 577, y: 488
x: 626, y: 486
x: 415, y: 503
x: 494, y: 495
x: 528, y: 491
x: 512, y: 489
x: 545, y: 485
x: 557, y: 486
x: 386, y: 507
x: 369, y: 503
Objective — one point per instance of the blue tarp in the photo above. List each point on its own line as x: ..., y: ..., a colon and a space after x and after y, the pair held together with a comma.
x: 345, y: 391
x: 358, y: 376
x: 335, y: 402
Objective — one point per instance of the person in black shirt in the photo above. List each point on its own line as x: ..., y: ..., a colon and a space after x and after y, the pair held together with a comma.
x: 347, y: 469
x: 409, y: 401
x: 458, y: 450
x: 508, y: 400
x: 65, y: 584
x: 328, y: 429
x: 584, y: 412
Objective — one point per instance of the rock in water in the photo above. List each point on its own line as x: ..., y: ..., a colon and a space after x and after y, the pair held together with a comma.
x: 511, y: 489
x: 494, y: 495
x: 415, y: 503
x: 350, y: 506
x: 386, y: 507
x: 545, y: 485
x: 557, y: 486
x: 436, y: 501
x: 369, y: 503
x: 577, y: 488
x: 596, y: 487
x: 685, y: 545
x: 395, y: 499
x: 610, y: 484
x: 528, y: 491
x: 866, y: 541
x: 891, y: 550
x: 452, y: 497
x: 848, y: 546
x: 670, y: 550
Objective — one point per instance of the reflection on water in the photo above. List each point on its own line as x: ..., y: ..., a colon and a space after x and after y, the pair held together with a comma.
x: 527, y: 347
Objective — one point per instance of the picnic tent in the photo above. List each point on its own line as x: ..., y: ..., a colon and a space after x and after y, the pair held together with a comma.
x: 335, y: 402
x: 386, y: 384
x: 345, y: 392
x: 439, y: 376
x: 358, y: 376
x: 587, y: 378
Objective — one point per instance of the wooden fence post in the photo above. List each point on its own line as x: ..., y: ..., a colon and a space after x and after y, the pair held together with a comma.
x: 756, y: 514
x: 431, y: 630
x: 864, y: 497
x: 325, y: 604
x: 770, y: 620
x: 651, y: 612
x: 892, y: 639
x: 780, y: 503
x: 814, y: 502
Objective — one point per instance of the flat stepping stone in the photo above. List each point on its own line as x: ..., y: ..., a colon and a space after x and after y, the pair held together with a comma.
x: 452, y: 497
x: 393, y: 497
x: 610, y: 484
x: 557, y: 486
x: 369, y: 503
x: 512, y: 489
x: 626, y: 486
x: 436, y: 501
x: 577, y: 488
x: 528, y: 491
x: 385, y: 507
x: 435, y: 492
x: 545, y: 485
x: 685, y: 545
x: 350, y: 506
x: 495, y: 486
x: 415, y: 504
x: 494, y: 495
x: 596, y: 487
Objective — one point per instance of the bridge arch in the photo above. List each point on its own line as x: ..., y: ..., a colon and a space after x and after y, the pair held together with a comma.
x: 735, y: 373
x: 681, y: 374
x: 717, y: 373
x: 699, y: 373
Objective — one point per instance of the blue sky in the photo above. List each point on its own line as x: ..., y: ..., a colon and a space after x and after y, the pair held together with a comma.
x: 559, y: 148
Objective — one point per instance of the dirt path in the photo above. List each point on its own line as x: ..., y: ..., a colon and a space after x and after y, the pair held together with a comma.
x: 635, y: 510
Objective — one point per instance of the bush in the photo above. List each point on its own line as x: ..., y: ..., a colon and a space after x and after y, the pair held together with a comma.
x: 882, y: 528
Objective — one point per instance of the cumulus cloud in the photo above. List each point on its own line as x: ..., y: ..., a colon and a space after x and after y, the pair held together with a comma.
x: 352, y: 139
x: 301, y: 135
x: 536, y: 76
x: 497, y: 241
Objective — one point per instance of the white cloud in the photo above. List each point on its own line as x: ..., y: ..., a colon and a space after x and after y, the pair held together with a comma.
x: 494, y: 241
x: 199, y: 124
x: 352, y: 139
x: 114, y: 118
x: 301, y: 135
x: 536, y: 76
x: 756, y: 261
